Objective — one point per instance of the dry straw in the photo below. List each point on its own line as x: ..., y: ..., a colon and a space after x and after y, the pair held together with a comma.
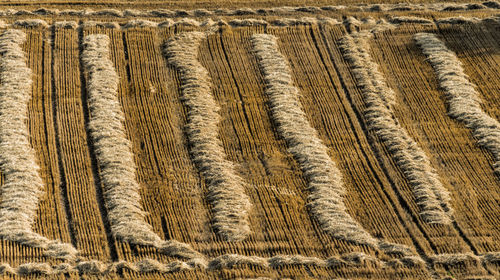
x: 226, y: 190
x: 464, y: 102
x: 456, y: 259
x: 432, y: 198
x: 410, y: 19
x: 22, y: 186
x: 165, y: 13
x: 116, y: 164
x: 459, y: 20
x: 30, y: 23
x: 323, y: 176
x: 350, y: 22
x: 229, y: 261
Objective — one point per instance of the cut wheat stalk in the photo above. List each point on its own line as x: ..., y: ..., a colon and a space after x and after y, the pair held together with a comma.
x: 23, y: 186
x: 464, y: 102
x: 326, y: 189
x: 226, y: 190
x: 430, y: 195
x: 117, y: 168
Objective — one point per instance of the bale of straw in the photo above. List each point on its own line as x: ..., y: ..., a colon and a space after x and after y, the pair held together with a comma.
x: 431, y: 196
x: 464, y: 102
x: 226, y: 190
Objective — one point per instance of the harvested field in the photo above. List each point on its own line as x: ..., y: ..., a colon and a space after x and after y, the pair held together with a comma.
x: 279, y: 140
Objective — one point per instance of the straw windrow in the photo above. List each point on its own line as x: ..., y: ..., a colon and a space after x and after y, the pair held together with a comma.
x: 226, y: 190
x: 324, y: 179
x: 116, y: 164
x: 23, y: 186
x: 464, y: 102
x: 432, y: 198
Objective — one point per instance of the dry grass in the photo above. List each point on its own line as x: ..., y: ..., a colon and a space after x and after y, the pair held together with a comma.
x: 458, y: 20
x: 223, y: 262
x: 31, y: 23
x: 324, y: 179
x: 276, y: 11
x: 491, y: 258
x: 352, y: 24
x: 464, y: 102
x: 456, y: 259
x: 410, y: 19
x: 22, y: 186
x: 226, y: 189
x: 116, y: 164
x: 432, y: 198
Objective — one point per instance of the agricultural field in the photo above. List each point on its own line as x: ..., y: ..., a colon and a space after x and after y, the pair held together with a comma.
x: 255, y: 140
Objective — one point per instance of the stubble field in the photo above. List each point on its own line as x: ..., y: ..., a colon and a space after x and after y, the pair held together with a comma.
x: 354, y: 143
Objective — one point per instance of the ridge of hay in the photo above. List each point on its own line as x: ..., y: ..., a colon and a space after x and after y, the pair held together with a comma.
x: 23, y: 186
x: 432, y: 198
x: 324, y: 179
x: 226, y: 189
x: 284, y: 10
x: 459, y: 20
x: 410, y: 19
x: 30, y: 23
x: 464, y: 102
x: 350, y: 22
x: 455, y: 259
x: 224, y: 262
x: 116, y: 164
